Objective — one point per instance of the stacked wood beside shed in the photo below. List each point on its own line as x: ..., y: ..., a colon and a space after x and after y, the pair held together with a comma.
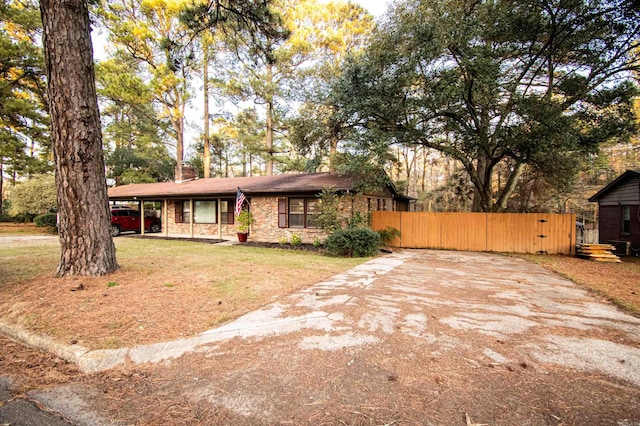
x: 597, y: 252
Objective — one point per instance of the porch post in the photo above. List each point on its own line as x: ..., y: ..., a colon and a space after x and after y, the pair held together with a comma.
x: 219, y: 219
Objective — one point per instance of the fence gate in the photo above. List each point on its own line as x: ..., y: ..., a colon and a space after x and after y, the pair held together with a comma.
x: 497, y: 232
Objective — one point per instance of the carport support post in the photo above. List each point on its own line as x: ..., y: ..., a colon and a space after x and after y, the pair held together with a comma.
x: 165, y: 217
x: 141, y: 210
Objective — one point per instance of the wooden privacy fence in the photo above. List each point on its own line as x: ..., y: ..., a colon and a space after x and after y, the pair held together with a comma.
x: 499, y: 232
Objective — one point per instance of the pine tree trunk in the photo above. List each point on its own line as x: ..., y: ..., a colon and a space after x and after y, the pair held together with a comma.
x: 207, y: 140
x: 1, y: 181
x: 84, y: 217
x: 269, y: 119
x: 178, y: 127
x: 333, y: 153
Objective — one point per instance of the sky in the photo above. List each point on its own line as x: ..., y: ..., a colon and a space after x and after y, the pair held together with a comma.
x: 375, y: 7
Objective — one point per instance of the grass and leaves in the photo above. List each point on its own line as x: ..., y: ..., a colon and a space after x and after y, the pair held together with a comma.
x: 163, y: 290
x: 8, y: 229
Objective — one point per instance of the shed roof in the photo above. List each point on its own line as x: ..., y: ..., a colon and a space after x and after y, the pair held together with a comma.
x: 251, y: 185
x: 629, y: 174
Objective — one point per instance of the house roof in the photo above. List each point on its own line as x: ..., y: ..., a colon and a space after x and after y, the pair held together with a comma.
x: 252, y: 185
x: 629, y: 174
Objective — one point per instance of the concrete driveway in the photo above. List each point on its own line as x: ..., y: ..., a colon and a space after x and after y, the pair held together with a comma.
x: 415, y: 337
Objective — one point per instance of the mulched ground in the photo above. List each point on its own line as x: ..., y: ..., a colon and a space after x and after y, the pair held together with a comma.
x: 301, y: 247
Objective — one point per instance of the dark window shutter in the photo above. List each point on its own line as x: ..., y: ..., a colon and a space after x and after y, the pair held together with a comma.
x: 178, y: 205
x: 282, y: 212
x: 230, y: 213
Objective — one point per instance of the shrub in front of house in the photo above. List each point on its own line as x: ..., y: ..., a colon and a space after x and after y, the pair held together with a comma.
x: 388, y: 235
x: 23, y: 218
x: 46, y: 220
x: 353, y: 242
x: 296, y: 240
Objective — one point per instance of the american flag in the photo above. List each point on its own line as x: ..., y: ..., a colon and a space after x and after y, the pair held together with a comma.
x: 240, y: 199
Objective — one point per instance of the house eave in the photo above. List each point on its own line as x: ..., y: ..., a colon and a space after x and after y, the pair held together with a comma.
x: 623, y: 177
x: 252, y: 186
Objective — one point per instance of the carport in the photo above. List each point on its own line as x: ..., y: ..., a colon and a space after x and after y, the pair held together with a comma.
x: 140, y: 204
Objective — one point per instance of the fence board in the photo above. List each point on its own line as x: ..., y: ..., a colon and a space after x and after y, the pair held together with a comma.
x: 464, y: 231
x: 423, y: 229
x: 500, y: 232
x: 384, y: 220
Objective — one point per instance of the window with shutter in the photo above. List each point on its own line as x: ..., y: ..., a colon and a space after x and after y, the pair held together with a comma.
x: 296, y: 212
x: 226, y: 211
x: 312, y: 211
x: 178, y: 209
x: 186, y: 211
x: 282, y: 212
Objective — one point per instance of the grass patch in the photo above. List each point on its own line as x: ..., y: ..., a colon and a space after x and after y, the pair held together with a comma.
x: 166, y: 289
x: 22, y: 263
x: 617, y: 282
x: 8, y: 229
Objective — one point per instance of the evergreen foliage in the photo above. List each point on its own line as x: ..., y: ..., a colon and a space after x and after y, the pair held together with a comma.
x: 135, y: 136
x: 24, y: 121
x: 34, y: 196
x: 353, y: 242
x: 46, y: 220
x: 508, y: 84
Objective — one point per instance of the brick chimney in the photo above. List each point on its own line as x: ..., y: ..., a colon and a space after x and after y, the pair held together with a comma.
x: 186, y: 172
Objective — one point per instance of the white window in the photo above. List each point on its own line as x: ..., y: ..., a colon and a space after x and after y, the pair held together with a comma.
x: 205, y: 211
x: 186, y: 211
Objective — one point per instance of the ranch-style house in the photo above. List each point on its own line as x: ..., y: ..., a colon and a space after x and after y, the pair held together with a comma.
x: 282, y: 205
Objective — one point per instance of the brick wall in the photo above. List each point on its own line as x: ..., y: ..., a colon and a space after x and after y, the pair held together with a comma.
x: 200, y: 230
x: 265, y: 212
x: 265, y: 228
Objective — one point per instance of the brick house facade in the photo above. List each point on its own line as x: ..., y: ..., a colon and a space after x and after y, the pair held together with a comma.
x: 282, y: 205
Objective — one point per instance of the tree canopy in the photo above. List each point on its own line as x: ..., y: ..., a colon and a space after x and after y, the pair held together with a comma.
x: 135, y: 134
x: 24, y: 121
x: 498, y: 85
x: 34, y: 196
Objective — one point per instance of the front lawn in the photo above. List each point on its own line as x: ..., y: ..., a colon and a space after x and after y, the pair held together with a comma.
x: 8, y: 229
x: 164, y: 289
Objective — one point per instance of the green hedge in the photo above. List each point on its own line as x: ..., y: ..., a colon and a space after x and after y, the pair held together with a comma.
x: 353, y: 242
x: 47, y: 219
x: 23, y: 218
